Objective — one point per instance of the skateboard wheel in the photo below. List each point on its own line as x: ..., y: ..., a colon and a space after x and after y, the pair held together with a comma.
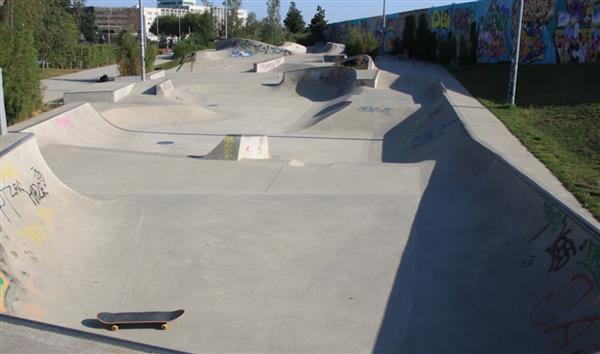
x: 164, y: 326
x: 114, y: 327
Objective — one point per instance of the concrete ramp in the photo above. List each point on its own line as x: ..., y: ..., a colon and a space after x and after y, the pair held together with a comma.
x: 237, y: 147
x: 319, y: 83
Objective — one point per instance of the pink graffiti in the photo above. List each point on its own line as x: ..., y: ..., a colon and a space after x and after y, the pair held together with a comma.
x: 64, y: 122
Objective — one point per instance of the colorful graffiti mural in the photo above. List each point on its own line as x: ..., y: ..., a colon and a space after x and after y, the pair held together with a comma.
x: 577, y: 33
x: 553, y: 31
x: 494, y: 40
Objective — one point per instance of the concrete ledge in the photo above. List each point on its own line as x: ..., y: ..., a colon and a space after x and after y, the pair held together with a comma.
x: 157, y: 74
x: 101, y: 92
x: 367, y: 78
x: 268, y: 65
x: 164, y: 88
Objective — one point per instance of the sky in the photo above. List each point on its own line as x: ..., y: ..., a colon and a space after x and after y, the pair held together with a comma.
x: 335, y: 10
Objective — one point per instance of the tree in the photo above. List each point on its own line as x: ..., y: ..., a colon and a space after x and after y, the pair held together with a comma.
x: 86, y: 20
x: 58, y: 35
x: 253, y: 27
x: 234, y: 23
x: 271, y: 30
x: 318, y: 22
x: 422, y: 37
x: 168, y: 25
x: 18, y: 59
x: 294, y: 22
x: 408, y: 36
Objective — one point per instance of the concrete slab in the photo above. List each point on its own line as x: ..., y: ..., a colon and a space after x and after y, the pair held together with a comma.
x: 100, y: 92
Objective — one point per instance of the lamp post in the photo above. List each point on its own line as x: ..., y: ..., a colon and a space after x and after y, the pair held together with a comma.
x: 3, y: 126
x: 514, y: 68
x: 226, y: 20
x: 383, y: 29
x: 142, y: 44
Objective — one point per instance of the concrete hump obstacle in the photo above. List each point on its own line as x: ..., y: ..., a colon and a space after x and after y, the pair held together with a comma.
x: 164, y: 88
x: 238, y: 147
x: 252, y: 46
x: 268, y: 65
x: 100, y: 92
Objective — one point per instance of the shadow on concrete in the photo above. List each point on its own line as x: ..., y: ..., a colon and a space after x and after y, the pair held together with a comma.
x: 471, y: 278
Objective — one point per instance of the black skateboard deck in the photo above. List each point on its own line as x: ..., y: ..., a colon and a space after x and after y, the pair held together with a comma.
x: 114, y: 319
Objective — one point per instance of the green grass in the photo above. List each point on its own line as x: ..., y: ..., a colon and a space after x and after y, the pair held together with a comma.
x: 49, y: 73
x: 557, y: 117
x: 167, y: 65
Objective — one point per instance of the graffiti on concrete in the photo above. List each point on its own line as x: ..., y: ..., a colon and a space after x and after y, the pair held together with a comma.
x: 4, y: 284
x: 568, y: 309
x: 578, y: 31
x: 537, y: 45
x: 553, y: 31
x: 37, y: 191
x: 492, y: 44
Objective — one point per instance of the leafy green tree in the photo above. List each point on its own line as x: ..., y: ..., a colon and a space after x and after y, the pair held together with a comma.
x: 408, y: 36
x: 18, y: 60
x: 271, y: 31
x: 86, y: 20
x: 294, y: 22
x: 58, y: 35
x: 234, y: 23
x: 168, y: 25
x: 201, y: 24
x: 318, y: 23
x: 253, y: 27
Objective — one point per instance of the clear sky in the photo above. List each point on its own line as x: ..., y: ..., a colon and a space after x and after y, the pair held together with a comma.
x: 335, y: 10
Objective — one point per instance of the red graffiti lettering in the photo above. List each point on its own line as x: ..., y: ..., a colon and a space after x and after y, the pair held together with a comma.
x: 537, y: 319
x: 569, y: 336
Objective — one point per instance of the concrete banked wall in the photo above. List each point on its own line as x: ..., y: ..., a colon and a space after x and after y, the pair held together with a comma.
x: 515, y: 259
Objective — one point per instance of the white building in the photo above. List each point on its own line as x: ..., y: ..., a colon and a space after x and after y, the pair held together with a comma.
x: 151, y: 13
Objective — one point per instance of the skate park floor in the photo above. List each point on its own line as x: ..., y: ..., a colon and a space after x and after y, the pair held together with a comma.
x: 402, y: 218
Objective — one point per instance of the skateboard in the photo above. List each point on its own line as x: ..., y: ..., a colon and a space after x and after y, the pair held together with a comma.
x: 114, y: 320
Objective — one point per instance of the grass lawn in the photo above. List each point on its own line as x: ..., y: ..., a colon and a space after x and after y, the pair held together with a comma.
x: 48, y: 73
x: 557, y: 117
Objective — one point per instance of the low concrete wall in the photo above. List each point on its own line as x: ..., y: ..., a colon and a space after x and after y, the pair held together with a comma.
x: 157, y: 74
x: 164, y: 88
x: 367, y: 78
x: 268, y: 65
x: 101, y: 92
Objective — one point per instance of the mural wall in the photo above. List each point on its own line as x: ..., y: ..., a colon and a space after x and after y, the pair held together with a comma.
x: 554, y: 31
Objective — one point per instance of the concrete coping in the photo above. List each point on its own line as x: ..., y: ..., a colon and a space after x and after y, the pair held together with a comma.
x: 513, y: 166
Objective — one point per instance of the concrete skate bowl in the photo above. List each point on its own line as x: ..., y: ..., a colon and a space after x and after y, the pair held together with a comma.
x: 494, y: 263
x: 330, y: 48
x: 318, y: 84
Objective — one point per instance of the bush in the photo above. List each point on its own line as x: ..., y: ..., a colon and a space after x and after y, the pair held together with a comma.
x: 128, y: 55
x: 21, y: 76
x: 150, y: 56
x: 190, y: 45
x: 361, y: 42
x: 306, y: 39
x: 94, y: 55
